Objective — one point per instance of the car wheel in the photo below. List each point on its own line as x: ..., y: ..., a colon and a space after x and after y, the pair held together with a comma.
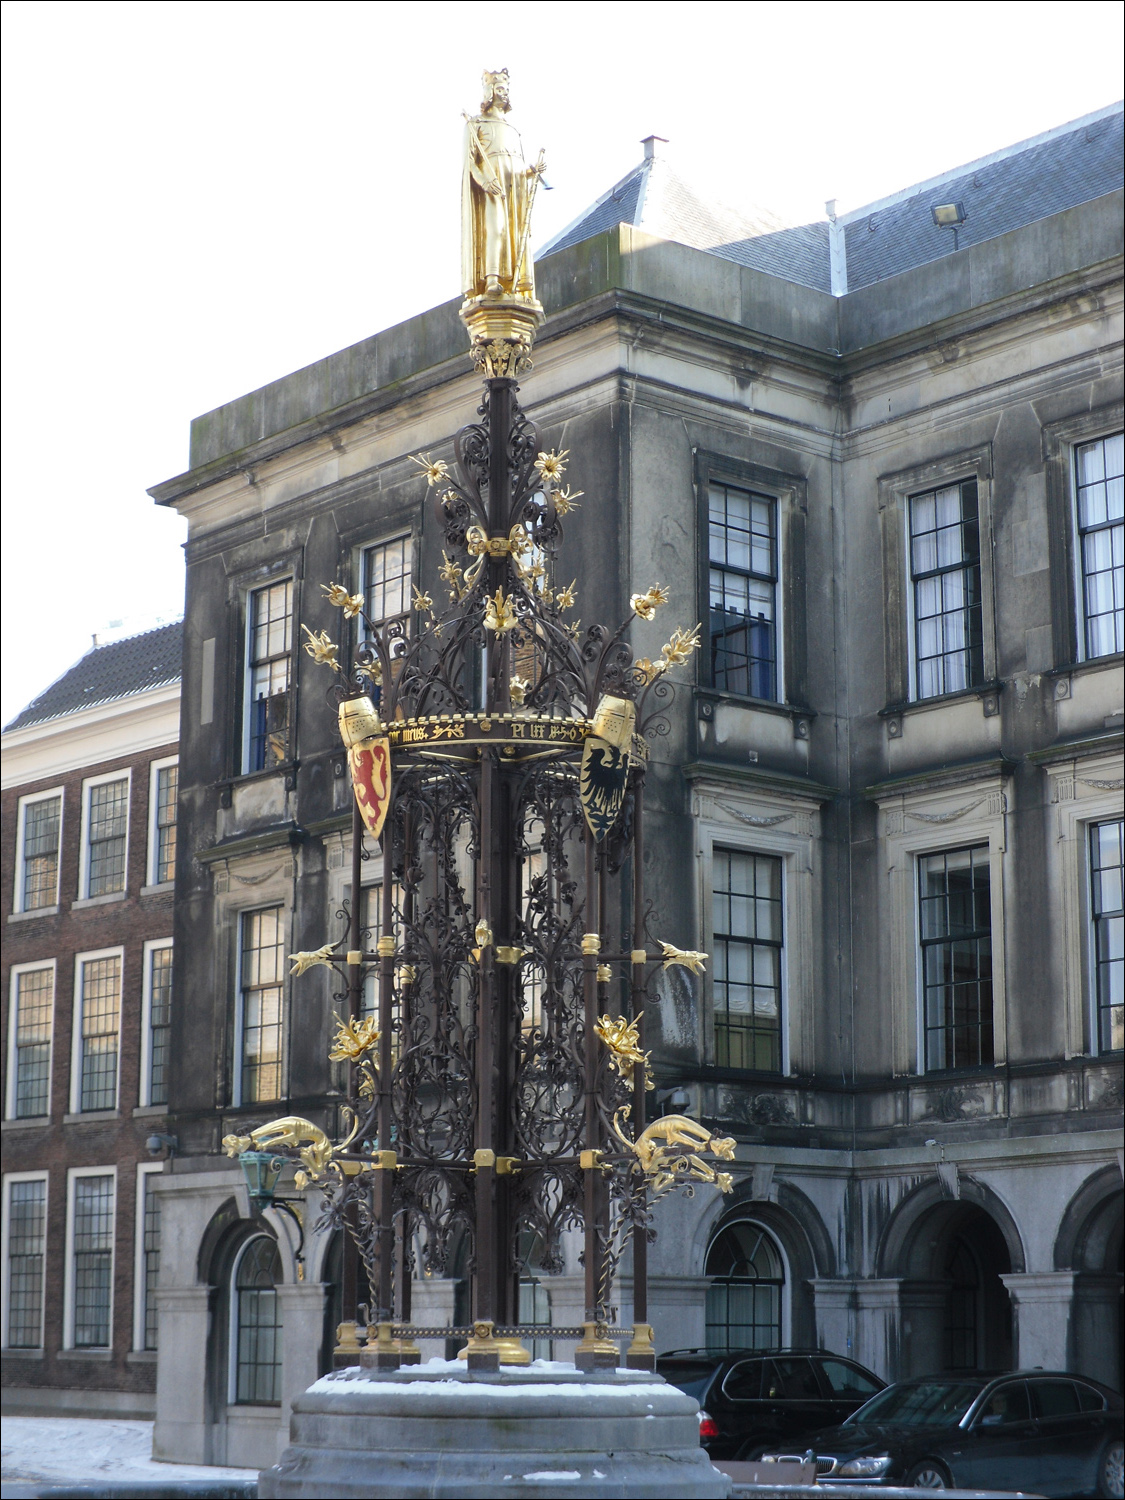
x: 928, y: 1475
x: 753, y: 1453
x: 1111, y: 1471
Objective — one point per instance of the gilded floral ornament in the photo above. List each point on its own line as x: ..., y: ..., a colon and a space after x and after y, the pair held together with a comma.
x: 353, y: 1039
x: 500, y: 615
x: 308, y: 960
x: 321, y: 648
x: 565, y: 597
x: 648, y: 603
x: 436, y: 470
x: 648, y: 671
x: 518, y: 687
x: 453, y: 575
x: 676, y: 651
x: 551, y: 466
x: 686, y: 958
x: 566, y: 500
x: 338, y: 595
x: 422, y: 602
x: 623, y: 1041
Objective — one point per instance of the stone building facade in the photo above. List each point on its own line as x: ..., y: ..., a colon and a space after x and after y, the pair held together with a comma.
x: 87, y: 875
x: 880, y: 459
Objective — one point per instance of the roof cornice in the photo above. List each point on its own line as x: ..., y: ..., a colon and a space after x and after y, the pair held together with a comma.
x: 107, y: 731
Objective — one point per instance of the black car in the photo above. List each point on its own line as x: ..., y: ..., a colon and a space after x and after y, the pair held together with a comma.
x: 1038, y: 1430
x: 752, y: 1398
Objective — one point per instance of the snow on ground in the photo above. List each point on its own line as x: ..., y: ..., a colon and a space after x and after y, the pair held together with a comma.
x: 76, y: 1449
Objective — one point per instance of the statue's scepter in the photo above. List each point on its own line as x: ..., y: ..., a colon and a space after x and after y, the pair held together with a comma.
x: 539, y: 168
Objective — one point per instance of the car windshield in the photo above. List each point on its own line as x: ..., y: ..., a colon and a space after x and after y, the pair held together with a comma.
x: 933, y: 1403
x: 690, y: 1375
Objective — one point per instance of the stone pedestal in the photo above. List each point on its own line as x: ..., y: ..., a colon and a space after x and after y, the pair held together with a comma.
x: 438, y: 1431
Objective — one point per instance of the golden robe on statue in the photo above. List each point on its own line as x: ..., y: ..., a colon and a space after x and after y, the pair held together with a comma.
x: 496, y: 194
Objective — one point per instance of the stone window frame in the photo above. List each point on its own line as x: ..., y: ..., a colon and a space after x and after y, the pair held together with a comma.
x: 929, y: 819
x: 12, y: 1062
x: 241, y: 583
x: 246, y: 882
x: 1060, y: 439
x: 790, y: 493
x: 285, y: 921
x: 1083, y: 790
x: 36, y: 1174
x: 18, y: 908
x: 247, y: 675
x: 895, y: 491
x: 763, y: 819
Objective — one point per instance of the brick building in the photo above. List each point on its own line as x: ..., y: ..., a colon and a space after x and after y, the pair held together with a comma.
x: 88, y: 857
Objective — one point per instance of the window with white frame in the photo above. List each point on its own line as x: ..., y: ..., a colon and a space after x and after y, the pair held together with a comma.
x: 97, y: 1031
x: 747, y: 928
x: 32, y: 1019
x: 157, y: 1013
x: 163, y: 789
x: 387, y: 574
x: 742, y: 591
x: 105, y: 836
x: 90, y: 1229
x: 955, y: 934
x: 1107, y: 843
x: 256, y: 1324
x: 1100, y: 494
x: 946, y: 587
x: 269, y: 665
x: 147, y: 1272
x: 37, y: 851
x: 25, y: 1243
x: 261, y: 1005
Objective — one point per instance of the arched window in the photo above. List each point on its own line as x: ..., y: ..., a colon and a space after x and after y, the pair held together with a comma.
x: 255, y: 1326
x: 744, y: 1298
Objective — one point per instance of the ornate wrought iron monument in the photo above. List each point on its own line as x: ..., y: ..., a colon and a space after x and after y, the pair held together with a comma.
x: 498, y: 752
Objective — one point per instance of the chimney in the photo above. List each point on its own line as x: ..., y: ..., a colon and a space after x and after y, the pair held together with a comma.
x: 649, y: 143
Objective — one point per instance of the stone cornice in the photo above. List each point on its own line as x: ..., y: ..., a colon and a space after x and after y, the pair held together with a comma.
x: 107, y: 731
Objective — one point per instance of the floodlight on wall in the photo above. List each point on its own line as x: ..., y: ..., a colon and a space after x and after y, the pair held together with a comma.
x: 949, y: 216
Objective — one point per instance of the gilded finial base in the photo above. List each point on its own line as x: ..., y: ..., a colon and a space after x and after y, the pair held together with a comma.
x: 502, y: 331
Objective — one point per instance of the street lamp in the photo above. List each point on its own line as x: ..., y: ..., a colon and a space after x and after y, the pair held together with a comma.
x: 261, y: 1170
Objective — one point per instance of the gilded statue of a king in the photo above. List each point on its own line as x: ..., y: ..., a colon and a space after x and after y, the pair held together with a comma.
x: 497, y: 191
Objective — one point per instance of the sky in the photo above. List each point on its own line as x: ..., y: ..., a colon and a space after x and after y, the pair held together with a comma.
x: 202, y: 197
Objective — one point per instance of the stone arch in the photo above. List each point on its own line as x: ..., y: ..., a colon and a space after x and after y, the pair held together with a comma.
x: 900, y: 1242
x: 951, y: 1247
x: 1089, y: 1245
x: 796, y: 1225
x: 223, y: 1238
x: 1090, y: 1233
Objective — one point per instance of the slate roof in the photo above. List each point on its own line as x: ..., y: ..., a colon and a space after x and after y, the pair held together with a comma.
x: 106, y: 673
x: 1029, y: 182
x: 1013, y: 187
